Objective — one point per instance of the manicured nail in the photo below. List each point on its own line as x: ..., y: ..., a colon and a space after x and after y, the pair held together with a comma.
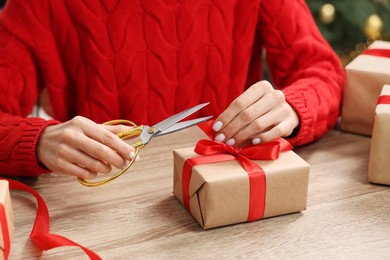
x: 230, y: 142
x: 132, y: 156
x: 220, y: 138
x: 256, y: 141
x: 217, y: 126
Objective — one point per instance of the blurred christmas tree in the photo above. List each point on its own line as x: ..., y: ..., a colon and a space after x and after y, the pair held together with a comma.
x: 351, y: 25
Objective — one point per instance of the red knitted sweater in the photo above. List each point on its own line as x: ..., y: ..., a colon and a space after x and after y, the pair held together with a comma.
x: 145, y: 60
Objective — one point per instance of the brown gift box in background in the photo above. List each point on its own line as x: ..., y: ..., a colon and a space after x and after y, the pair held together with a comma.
x: 5, y: 201
x: 366, y: 75
x: 379, y: 163
x: 219, y: 192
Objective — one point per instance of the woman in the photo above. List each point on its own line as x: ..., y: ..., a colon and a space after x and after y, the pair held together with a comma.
x: 102, y: 60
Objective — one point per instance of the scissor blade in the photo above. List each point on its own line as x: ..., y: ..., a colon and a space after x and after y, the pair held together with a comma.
x: 182, y: 125
x: 163, y: 125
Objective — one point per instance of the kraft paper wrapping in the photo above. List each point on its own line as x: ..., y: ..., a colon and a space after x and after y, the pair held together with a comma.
x: 366, y: 76
x: 219, y: 192
x: 5, y: 200
x: 379, y: 162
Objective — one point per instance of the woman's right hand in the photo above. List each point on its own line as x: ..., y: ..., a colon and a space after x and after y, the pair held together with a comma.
x: 82, y: 148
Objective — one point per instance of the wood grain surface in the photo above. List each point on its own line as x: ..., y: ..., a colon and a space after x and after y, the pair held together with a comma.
x: 137, y: 217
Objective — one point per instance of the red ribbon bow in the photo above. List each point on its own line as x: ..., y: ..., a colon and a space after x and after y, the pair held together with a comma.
x: 212, y: 152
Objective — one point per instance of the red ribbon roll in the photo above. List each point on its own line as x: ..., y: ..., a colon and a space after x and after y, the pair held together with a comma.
x: 5, y: 232
x: 213, y: 152
x: 40, y: 234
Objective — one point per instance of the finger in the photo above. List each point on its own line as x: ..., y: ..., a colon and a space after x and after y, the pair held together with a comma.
x: 114, y: 142
x: 75, y: 156
x: 66, y: 167
x: 280, y: 130
x: 261, y: 124
x: 83, y: 143
x: 246, y: 118
x: 100, y: 151
x: 117, y: 128
x: 246, y: 99
x: 107, y: 138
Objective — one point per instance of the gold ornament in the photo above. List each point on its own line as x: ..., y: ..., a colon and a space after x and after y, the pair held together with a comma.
x: 327, y: 13
x: 373, y: 27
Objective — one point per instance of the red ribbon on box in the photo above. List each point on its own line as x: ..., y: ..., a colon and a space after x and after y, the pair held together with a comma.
x: 377, y: 52
x: 385, y: 53
x: 213, y: 152
x: 40, y: 234
x: 385, y: 99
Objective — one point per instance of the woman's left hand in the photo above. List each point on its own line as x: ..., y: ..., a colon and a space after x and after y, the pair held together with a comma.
x: 260, y: 114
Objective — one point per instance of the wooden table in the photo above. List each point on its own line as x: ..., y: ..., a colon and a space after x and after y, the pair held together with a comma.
x: 137, y: 216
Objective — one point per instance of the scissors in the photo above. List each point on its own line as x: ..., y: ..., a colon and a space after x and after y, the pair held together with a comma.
x: 146, y: 133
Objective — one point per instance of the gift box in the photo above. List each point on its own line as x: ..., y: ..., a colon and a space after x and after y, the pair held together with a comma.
x: 6, y: 219
x: 365, y: 77
x: 379, y: 163
x: 227, y: 187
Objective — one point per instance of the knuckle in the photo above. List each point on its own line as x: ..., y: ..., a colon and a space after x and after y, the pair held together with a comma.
x: 247, y: 115
x: 278, y: 131
x: 77, y: 120
x: 269, y: 96
x: 288, y: 132
x: 286, y: 109
x: 66, y: 135
x: 259, y: 126
x: 257, y: 87
x: 103, y: 152
x: 265, y: 85
x: 238, y: 104
x: 279, y: 95
x: 61, y: 151
x: 228, y: 132
x: 109, y: 138
x: 60, y: 164
x: 276, y: 96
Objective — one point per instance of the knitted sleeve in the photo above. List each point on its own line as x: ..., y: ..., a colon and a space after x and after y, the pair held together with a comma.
x: 18, y: 93
x: 302, y: 65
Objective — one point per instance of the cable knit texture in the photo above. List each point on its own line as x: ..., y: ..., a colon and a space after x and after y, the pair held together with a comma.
x: 145, y: 60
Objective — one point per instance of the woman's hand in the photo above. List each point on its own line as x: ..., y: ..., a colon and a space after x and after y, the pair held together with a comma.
x: 261, y: 114
x: 82, y: 148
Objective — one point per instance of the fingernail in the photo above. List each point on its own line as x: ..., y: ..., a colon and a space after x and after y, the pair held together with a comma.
x: 256, y: 141
x: 231, y: 142
x: 220, y: 138
x: 217, y: 126
x: 124, y: 165
x: 132, y: 156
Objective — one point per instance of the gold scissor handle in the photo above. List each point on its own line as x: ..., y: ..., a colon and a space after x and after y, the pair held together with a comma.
x: 136, y: 131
